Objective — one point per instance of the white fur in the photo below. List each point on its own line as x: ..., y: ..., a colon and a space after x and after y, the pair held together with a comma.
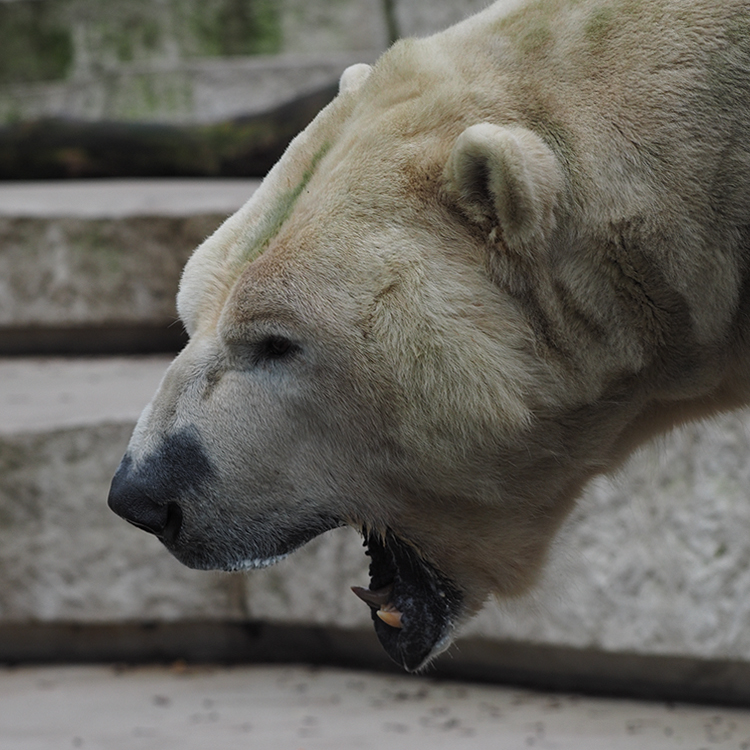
x: 353, y: 77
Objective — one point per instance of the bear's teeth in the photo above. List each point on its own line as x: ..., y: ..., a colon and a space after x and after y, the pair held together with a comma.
x: 390, y: 616
x: 375, y: 599
x: 380, y: 601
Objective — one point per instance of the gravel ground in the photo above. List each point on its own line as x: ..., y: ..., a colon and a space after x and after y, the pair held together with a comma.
x: 298, y: 708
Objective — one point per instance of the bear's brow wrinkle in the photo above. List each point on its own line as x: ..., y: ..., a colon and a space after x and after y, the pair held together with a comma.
x: 212, y: 378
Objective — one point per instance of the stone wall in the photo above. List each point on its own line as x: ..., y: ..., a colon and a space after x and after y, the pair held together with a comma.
x: 191, y: 61
x: 169, y: 61
x: 654, y: 562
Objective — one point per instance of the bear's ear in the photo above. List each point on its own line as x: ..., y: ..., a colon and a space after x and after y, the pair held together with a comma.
x: 505, y: 176
x: 353, y: 77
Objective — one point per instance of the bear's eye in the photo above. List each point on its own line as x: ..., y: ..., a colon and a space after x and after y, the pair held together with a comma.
x: 275, y: 347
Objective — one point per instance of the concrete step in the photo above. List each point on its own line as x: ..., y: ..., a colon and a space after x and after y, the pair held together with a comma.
x: 188, y: 92
x: 120, y: 199
x: 647, y: 585
x: 650, y: 576
x: 175, y: 62
x: 64, y: 556
x: 93, y: 266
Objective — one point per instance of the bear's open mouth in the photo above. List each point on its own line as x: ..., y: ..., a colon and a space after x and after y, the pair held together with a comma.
x: 414, y: 607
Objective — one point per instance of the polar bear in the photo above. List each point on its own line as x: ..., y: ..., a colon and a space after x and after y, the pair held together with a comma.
x: 500, y: 260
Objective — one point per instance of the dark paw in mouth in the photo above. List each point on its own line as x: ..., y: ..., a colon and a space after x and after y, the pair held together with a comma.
x: 414, y: 607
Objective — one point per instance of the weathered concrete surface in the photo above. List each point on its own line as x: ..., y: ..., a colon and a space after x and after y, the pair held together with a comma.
x: 288, y: 708
x: 192, y: 62
x: 63, y: 554
x: 120, y: 199
x: 175, y: 62
x: 48, y: 394
x: 310, y: 27
x: 656, y: 560
x: 107, y: 252
x: 186, y: 92
x: 62, y: 272
x: 46, y: 40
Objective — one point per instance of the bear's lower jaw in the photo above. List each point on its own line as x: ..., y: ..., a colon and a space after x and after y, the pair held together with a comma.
x: 423, y: 606
x: 266, y: 542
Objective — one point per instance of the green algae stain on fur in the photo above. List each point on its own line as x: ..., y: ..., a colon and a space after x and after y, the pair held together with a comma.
x: 599, y: 26
x: 270, y: 225
x: 530, y: 28
x: 536, y: 39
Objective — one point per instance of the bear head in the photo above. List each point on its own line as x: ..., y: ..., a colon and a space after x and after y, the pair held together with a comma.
x: 358, y: 356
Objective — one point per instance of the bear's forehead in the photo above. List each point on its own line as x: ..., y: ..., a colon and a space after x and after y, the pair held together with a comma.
x: 362, y: 179
x: 365, y: 188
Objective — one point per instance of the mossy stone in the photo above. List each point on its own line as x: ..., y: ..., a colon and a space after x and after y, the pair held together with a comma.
x: 34, y: 45
x: 237, y: 27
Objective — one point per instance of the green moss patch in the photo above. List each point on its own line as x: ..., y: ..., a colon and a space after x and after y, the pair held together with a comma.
x: 237, y: 27
x: 34, y: 46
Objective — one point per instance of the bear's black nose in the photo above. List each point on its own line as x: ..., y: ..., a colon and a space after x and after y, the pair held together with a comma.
x: 146, y: 493
x: 129, y: 498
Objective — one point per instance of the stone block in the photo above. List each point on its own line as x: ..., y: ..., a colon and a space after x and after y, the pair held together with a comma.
x: 180, y: 92
x: 101, y: 255
x: 79, y: 272
x: 64, y: 556
x: 312, y: 586
x: 47, y: 40
x: 175, y: 62
x: 310, y: 26
x: 653, y: 561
